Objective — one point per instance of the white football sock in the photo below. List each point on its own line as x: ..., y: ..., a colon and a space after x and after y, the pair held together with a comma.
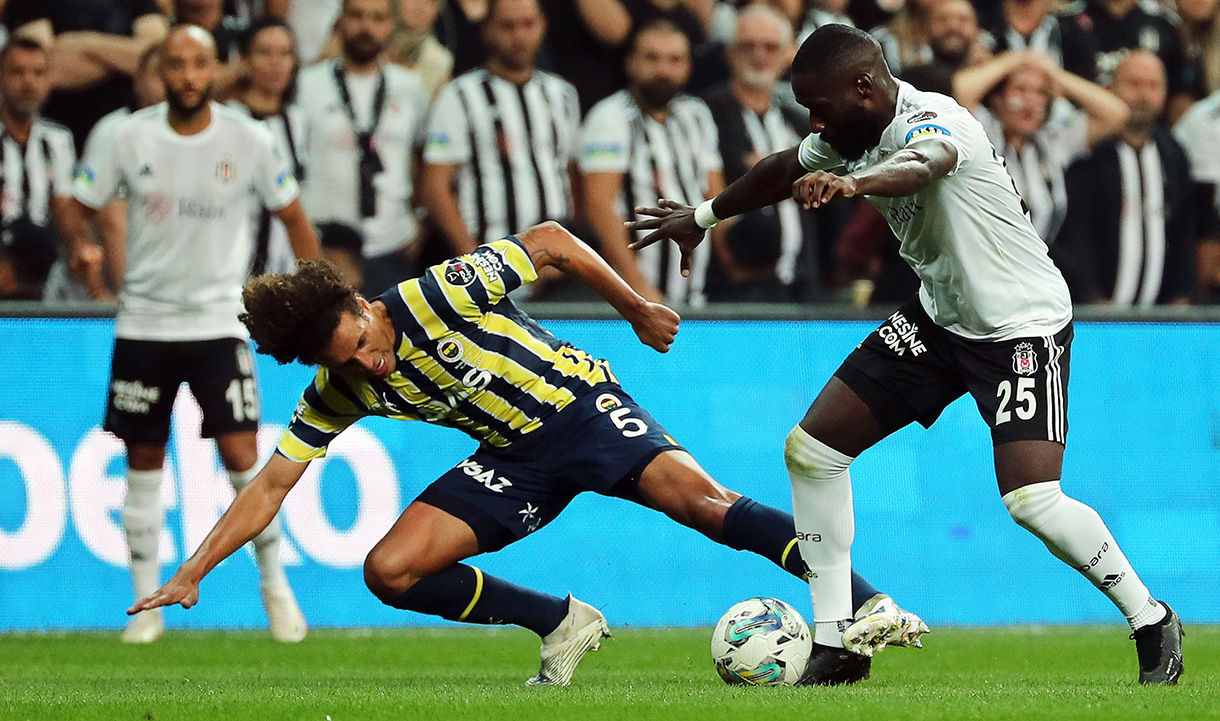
x: 825, y: 529
x: 142, y: 520
x: 1078, y: 537
x: 267, y: 543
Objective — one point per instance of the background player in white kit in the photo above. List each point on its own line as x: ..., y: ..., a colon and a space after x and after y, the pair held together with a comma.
x: 993, y: 318
x: 192, y: 171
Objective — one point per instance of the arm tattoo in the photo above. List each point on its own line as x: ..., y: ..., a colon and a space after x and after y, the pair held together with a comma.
x: 543, y: 256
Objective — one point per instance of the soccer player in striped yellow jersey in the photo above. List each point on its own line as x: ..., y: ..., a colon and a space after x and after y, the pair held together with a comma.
x: 451, y: 348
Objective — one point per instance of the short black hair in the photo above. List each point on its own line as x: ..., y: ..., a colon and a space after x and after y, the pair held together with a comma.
x: 654, y: 25
x: 834, y: 48
x: 259, y: 24
x: 21, y: 42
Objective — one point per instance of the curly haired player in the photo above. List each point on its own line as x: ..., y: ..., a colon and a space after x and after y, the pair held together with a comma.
x: 451, y: 348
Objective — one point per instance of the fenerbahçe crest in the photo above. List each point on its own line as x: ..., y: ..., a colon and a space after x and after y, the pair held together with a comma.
x: 1024, y: 362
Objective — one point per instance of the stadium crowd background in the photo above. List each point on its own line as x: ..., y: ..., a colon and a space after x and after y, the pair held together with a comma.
x: 1123, y: 185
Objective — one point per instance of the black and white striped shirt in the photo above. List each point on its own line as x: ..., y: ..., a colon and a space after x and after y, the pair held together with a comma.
x: 33, y: 175
x: 673, y: 159
x: 512, y: 145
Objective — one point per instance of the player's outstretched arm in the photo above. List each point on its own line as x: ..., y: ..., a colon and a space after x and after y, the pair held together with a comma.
x: 551, y: 244
x: 904, y: 173
x: 250, y: 513
x: 767, y: 183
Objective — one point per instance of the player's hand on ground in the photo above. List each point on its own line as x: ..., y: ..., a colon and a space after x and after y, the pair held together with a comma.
x: 819, y: 187
x: 175, y: 591
x: 656, y: 325
x: 671, y: 220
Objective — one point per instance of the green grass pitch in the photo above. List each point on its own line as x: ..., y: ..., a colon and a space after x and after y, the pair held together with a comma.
x: 1015, y: 673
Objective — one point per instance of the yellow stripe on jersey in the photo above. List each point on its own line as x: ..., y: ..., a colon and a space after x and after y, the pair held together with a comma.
x: 511, y: 254
x: 464, y: 360
x: 571, y: 364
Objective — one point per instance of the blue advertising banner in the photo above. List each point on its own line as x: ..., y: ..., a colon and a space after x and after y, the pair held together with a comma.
x: 930, y: 528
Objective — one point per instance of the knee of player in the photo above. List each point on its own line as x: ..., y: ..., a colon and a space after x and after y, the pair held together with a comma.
x: 808, y: 457
x: 1032, y: 505
x: 387, y: 574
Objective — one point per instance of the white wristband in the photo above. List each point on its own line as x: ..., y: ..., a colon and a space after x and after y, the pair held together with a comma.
x: 704, y: 217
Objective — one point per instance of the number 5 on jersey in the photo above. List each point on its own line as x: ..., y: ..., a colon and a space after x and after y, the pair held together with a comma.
x: 620, y: 415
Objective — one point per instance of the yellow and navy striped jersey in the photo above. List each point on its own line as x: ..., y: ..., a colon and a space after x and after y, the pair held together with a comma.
x: 467, y: 358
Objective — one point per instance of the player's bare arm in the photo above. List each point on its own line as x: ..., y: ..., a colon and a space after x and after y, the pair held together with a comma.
x: 250, y: 513
x: 767, y: 183
x: 301, y: 233
x: 552, y: 245
x: 904, y: 173
x: 85, y: 257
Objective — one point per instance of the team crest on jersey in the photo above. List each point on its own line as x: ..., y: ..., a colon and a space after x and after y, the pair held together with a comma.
x: 460, y: 272
x: 451, y: 350
x: 607, y: 402
x: 1024, y: 362
x: 224, y: 170
x: 923, y: 117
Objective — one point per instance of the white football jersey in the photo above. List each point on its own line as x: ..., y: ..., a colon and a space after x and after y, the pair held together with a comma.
x: 1199, y: 133
x: 332, y: 186
x: 985, y: 274
x: 190, y: 200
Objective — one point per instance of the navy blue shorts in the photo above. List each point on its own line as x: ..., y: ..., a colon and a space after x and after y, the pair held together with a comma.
x: 601, y: 442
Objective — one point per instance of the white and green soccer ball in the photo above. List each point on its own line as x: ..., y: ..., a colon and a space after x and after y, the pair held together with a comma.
x: 761, y: 642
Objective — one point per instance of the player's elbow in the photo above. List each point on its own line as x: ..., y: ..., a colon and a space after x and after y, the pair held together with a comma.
x: 545, y: 242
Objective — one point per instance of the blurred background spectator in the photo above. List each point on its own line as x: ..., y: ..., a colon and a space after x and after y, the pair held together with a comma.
x: 1129, y: 236
x: 752, y: 125
x: 646, y: 142
x: 36, y: 161
x: 1121, y: 26
x: 501, y: 139
x: 362, y: 117
x: 1199, y: 133
x: 505, y: 144
x: 95, y: 46
x: 413, y: 44
x: 1066, y: 37
x: 268, y: 61
x: 1200, y: 28
x: 1013, y: 96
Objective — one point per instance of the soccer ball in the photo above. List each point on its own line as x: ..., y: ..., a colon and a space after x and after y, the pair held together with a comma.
x: 761, y: 642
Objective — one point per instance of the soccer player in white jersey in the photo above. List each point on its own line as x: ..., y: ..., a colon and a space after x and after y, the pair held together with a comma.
x: 191, y: 171
x: 992, y: 318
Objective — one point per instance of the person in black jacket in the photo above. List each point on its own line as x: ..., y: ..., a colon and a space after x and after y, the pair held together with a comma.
x: 1129, y: 238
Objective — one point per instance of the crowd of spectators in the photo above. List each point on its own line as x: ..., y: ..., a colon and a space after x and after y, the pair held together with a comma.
x: 421, y: 128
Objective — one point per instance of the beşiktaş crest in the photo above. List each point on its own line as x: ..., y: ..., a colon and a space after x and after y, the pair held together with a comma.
x: 1024, y: 362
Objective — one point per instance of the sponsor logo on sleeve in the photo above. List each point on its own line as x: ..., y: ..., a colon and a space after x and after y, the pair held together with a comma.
x: 460, y: 272
x: 922, y: 131
x: 600, y: 150
x: 923, y: 117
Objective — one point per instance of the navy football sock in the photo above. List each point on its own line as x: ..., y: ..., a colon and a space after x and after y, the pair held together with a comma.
x: 464, y: 593
x: 771, y: 533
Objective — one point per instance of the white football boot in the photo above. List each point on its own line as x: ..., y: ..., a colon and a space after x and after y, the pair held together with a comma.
x: 879, y: 623
x: 287, y: 621
x: 144, y: 627
x: 580, y: 631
